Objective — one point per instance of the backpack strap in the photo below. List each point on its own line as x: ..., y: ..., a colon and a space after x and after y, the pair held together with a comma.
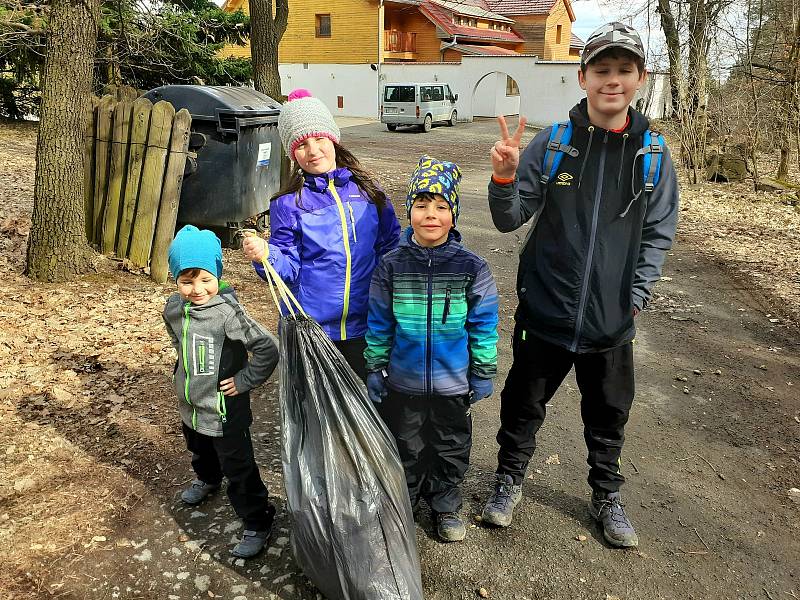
x: 557, y: 146
x: 653, y: 150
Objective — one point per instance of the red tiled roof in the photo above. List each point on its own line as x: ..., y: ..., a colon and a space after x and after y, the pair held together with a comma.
x: 576, y: 42
x: 521, y: 7
x: 442, y: 18
x: 484, y: 50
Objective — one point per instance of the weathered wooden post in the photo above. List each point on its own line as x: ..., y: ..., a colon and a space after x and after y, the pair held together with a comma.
x: 170, y: 195
x: 88, y: 167
x: 152, y: 180
x: 116, y: 176
x: 140, y: 126
x: 103, y: 137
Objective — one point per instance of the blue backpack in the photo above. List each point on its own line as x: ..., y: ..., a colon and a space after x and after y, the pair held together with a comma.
x: 558, y: 145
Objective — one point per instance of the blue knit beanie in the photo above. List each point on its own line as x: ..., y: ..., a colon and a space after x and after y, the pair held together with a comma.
x: 195, y: 248
x: 435, y: 177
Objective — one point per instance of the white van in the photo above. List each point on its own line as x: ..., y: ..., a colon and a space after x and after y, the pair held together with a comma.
x: 421, y: 104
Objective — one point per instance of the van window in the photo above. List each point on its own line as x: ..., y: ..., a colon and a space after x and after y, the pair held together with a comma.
x: 431, y: 93
x: 398, y: 93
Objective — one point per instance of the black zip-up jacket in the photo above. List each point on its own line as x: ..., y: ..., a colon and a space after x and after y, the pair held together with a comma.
x: 597, y: 242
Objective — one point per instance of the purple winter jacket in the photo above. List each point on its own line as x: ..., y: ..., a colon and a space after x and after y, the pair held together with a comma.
x: 325, y: 246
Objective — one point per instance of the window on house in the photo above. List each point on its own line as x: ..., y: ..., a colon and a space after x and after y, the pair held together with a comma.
x: 511, y: 87
x: 558, y: 34
x: 323, y: 25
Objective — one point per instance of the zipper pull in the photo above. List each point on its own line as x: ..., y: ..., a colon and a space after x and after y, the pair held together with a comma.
x: 446, y: 310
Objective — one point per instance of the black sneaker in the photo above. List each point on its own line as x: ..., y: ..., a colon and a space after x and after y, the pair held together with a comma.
x: 253, y: 542
x: 198, y: 491
x: 500, y: 508
x: 450, y: 527
x: 608, y: 510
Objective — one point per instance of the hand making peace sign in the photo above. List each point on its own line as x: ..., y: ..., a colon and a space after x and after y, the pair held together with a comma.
x: 505, y: 152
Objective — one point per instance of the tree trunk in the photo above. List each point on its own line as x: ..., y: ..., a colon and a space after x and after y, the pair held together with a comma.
x: 266, y: 34
x: 674, y: 53
x: 790, y: 102
x: 57, y: 248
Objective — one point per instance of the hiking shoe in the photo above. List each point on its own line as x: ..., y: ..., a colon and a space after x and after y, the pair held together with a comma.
x: 500, y: 507
x: 252, y: 543
x: 450, y: 527
x: 608, y: 510
x: 198, y: 491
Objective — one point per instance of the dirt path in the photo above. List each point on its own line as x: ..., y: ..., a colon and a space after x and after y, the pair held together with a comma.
x: 93, y: 454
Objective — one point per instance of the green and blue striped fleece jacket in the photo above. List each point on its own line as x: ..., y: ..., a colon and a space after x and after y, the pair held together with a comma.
x: 432, y: 318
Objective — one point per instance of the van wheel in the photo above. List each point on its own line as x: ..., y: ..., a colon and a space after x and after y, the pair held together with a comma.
x: 453, y: 119
x: 427, y: 124
x: 391, y: 127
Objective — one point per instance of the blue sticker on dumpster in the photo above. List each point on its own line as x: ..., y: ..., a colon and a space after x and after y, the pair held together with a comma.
x: 264, y: 153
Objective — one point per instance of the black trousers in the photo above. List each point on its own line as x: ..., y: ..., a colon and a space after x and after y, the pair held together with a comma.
x: 232, y: 456
x: 605, y: 380
x: 353, y: 352
x: 434, y: 437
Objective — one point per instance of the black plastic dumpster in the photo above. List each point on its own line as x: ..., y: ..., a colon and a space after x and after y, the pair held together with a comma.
x: 238, y: 155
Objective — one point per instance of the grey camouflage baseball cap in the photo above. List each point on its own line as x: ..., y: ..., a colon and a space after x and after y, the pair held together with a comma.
x: 612, y: 35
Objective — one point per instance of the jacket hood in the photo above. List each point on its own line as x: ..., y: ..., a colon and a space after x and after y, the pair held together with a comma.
x: 637, y: 125
x: 579, y: 115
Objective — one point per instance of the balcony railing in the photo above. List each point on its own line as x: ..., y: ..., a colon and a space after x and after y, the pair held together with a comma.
x: 399, y: 41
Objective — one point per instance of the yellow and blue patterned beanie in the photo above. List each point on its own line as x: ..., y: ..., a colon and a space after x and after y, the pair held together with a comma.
x: 435, y: 177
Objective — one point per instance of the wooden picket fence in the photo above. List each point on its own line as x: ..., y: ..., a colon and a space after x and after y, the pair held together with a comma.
x: 135, y: 153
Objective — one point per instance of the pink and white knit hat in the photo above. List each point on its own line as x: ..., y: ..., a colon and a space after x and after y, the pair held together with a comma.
x: 302, y: 117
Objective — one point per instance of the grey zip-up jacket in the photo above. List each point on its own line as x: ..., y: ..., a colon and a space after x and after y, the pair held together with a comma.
x: 597, y: 243
x: 213, y: 341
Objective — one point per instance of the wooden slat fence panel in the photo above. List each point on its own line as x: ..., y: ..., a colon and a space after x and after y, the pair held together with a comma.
x: 170, y: 195
x: 152, y: 180
x: 116, y: 176
x: 140, y: 127
x: 102, y: 144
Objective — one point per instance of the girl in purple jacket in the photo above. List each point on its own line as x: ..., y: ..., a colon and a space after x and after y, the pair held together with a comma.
x: 328, y: 227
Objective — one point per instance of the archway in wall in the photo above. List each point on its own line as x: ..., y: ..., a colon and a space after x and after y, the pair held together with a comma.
x: 496, y: 93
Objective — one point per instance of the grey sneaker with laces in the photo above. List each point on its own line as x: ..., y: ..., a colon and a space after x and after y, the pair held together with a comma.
x: 500, y: 508
x: 608, y: 510
x: 198, y: 491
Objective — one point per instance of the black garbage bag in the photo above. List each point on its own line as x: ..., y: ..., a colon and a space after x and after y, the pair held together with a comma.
x: 352, y: 526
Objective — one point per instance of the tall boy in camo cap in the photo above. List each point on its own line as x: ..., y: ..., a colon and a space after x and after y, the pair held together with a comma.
x: 596, y: 246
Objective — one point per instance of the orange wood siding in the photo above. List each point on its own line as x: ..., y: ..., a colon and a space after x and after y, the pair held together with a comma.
x: 353, y: 40
x: 410, y: 20
x: 354, y: 33
x: 554, y: 50
x: 532, y: 29
x: 452, y: 56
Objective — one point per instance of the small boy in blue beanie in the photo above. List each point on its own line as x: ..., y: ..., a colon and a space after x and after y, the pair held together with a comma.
x: 213, y: 377
x: 432, y: 343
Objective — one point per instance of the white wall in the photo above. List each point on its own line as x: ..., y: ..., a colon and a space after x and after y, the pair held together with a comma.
x: 357, y: 84
x: 655, y: 95
x: 547, y: 89
x: 490, y: 98
x: 485, y: 102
